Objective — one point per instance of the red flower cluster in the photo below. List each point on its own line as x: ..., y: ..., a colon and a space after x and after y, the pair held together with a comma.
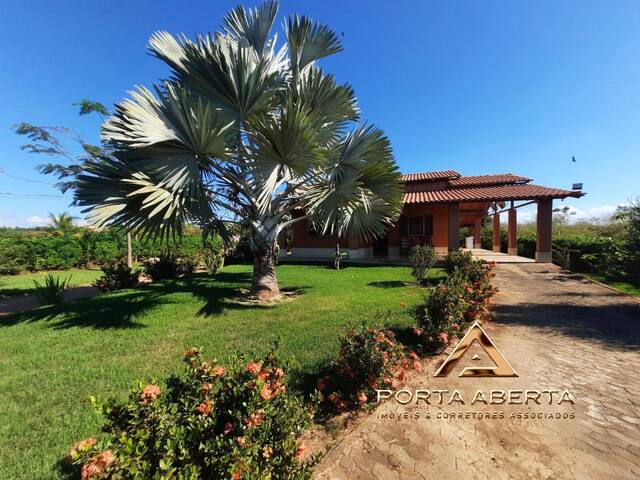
x: 149, y: 394
x: 97, y: 465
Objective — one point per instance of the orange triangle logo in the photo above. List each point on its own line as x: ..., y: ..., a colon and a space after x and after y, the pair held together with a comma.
x: 477, y: 334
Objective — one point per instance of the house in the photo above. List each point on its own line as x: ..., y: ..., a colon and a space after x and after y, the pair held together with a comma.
x: 436, y: 205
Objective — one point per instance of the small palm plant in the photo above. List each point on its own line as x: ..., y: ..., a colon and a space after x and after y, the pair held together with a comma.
x: 51, y: 291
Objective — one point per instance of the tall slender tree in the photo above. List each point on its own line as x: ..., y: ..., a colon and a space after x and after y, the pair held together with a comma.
x: 244, y: 128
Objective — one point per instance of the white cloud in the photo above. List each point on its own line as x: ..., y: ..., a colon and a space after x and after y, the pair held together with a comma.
x: 600, y: 212
x: 37, y: 221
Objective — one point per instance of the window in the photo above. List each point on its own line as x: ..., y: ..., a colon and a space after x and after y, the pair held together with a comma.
x: 415, y: 225
x: 418, y: 225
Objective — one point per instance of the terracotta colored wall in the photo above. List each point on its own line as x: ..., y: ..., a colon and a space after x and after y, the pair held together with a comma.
x: 440, y: 215
x: 302, y: 237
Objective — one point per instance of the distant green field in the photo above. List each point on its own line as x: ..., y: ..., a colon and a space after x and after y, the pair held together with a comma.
x: 11, y: 285
x: 53, y: 358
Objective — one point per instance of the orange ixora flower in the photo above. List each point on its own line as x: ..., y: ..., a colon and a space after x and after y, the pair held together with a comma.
x: 300, y: 451
x: 362, y: 398
x: 82, y: 446
x: 267, y: 392
x: 205, y: 388
x: 149, y: 394
x: 204, y: 408
x: 266, y: 452
x: 217, y: 371
x: 254, y: 367
x: 97, y: 465
x: 191, y: 352
x: 255, y: 419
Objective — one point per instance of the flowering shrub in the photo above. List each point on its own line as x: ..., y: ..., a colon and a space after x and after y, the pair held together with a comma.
x: 370, y: 359
x: 458, y: 260
x: 444, y: 313
x: 465, y: 295
x: 237, y: 422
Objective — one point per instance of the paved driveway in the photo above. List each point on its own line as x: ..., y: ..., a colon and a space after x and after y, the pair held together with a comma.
x: 558, y: 332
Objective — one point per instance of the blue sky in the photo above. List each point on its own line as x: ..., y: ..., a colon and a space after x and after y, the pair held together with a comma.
x: 480, y: 87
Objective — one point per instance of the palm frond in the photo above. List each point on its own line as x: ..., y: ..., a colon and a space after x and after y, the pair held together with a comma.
x: 117, y: 192
x: 359, y: 195
x: 177, y: 117
x: 253, y: 25
x: 331, y: 106
x: 309, y: 41
x: 228, y: 73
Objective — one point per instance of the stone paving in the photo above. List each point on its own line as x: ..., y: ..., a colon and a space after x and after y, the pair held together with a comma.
x: 558, y: 331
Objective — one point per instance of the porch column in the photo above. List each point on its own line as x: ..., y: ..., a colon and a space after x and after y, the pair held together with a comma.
x: 477, y: 233
x: 513, y: 232
x: 496, y: 232
x: 454, y: 227
x: 543, y: 231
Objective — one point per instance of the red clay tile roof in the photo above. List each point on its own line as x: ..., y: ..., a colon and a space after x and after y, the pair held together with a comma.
x: 498, y: 179
x: 488, y: 194
x: 427, y: 176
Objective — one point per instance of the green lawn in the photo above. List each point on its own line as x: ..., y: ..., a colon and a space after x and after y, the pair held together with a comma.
x: 52, y: 359
x: 11, y: 285
x: 625, y: 287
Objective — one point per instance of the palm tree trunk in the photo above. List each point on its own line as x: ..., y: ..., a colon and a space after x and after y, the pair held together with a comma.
x: 129, y: 250
x: 264, y: 284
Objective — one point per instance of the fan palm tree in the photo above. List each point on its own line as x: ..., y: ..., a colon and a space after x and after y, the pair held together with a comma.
x: 244, y: 128
x: 62, y: 223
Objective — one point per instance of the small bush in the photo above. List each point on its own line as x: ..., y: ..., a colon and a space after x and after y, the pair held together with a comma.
x: 458, y: 260
x: 169, y: 266
x: 210, y: 422
x: 421, y: 259
x: 117, y: 276
x: 51, y: 291
x: 444, y: 313
x: 370, y: 359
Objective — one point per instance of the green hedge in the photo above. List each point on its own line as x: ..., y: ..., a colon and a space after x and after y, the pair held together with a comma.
x: 21, y: 249
x: 607, y: 256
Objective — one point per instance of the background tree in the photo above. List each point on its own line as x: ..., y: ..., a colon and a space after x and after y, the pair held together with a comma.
x: 62, y: 223
x: 45, y: 140
x: 249, y: 129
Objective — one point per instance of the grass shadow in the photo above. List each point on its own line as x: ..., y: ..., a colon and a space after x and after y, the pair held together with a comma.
x: 119, y: 309
x: 388, y: 284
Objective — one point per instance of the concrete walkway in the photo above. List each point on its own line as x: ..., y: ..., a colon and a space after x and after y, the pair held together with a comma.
x: 489, y: 256
x: 558, y: 332
x: 29, y: 302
